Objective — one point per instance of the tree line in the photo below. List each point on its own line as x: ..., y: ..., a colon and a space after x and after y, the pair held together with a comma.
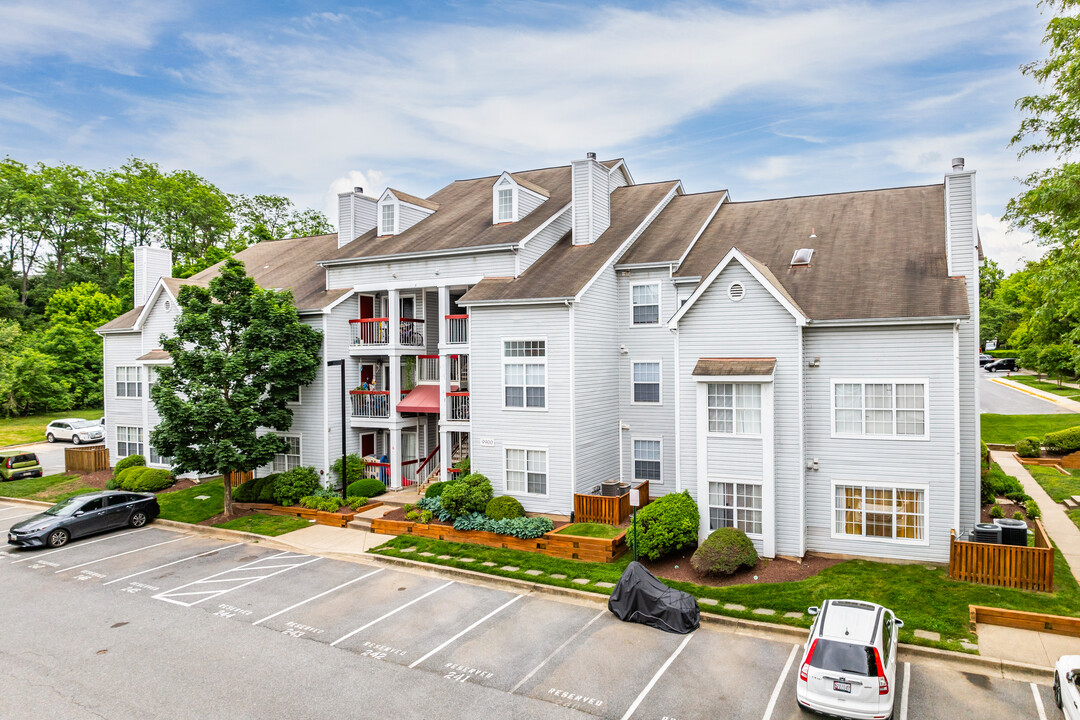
x: 68, y: 236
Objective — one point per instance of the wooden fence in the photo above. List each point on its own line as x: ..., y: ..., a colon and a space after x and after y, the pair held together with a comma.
x: 1026, y: 568
x: 608, y: 509
x: 239, y: 478
x: 86, y: 459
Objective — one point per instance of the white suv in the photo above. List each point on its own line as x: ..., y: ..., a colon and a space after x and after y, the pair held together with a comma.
x: 76, y: 430
x: 1067, y: 686
x: 849, y: 661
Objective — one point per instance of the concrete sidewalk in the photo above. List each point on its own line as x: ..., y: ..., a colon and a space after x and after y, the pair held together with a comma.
x: 1026, y: 646
x: 1041, y: 394
x: 1061, y: 529
x: 325, y: 539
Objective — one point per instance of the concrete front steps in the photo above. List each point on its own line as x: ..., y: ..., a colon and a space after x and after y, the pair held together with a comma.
x: 362, y: 521
x: 1072, y: 503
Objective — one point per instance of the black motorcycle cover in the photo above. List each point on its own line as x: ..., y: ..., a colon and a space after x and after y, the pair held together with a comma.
x: 639, y: 597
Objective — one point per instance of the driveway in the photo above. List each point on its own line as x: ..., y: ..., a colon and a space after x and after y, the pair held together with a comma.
x: 998, y: 399
x: 51, y: 455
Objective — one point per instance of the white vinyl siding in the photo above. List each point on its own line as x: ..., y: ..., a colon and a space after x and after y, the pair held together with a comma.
x: 291, y: 457
x: 526, y: 471
x: 129, y: 440
x: 128, y: 383
x: 648, y: 460
x: 735, y: 408
x: 372, y: 276
x: 735, y: 504
x: 645, y: 304
x: 646, y: 383
x: 879, y: 512
x: 525, y: 374
x: 880, y: 409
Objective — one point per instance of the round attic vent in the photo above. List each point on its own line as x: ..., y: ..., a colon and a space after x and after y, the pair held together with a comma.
x: 736, y: 292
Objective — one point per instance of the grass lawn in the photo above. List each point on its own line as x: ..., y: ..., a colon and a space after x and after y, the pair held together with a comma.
x: 1051, y: 387
x: 1007, y: 429
x: 1055, y: 484
x: 593, y: 530
x: 924, y: 598
x: 16, y: 431
x: 261, y: 524
x: 51, y: 488
x: 1074, y: 515
x: 182, y: 506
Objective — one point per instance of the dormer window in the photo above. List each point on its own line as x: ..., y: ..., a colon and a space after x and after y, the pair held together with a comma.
x: 387, y: 218
x: 504, y: 211
x: 514, y: 197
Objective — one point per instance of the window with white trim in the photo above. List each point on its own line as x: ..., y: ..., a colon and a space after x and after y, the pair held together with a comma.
x: 877, y: 512
x: 646, y: 382
x: 735, y: 408
x: 505, y: 205
x: 526, y: 471
x: 645, y: 304
x: 128, y: 381
x: 387, y: 218
x: 647, y: 460
x: 128, y: 440
x: 525, y: 374
x: 880, y: 409
x: 291, y: 457
x: 735, y: 504
x: 156, y: 459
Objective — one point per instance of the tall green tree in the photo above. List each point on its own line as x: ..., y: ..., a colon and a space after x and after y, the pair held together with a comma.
x: 238, y: 354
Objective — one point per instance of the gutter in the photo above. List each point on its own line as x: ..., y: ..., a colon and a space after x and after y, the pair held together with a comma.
x: 524, y: 301
x: 502, y: 247
x: 844, y: 322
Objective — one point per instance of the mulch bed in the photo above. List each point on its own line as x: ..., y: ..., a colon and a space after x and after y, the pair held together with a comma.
x: 399, y: 515
x: 97, y: 479
x: 678, y: 567
x: 1008, y: 507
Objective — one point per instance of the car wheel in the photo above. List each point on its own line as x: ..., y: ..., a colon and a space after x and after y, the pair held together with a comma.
x: 50, y: 437
x: 59, y: 538
x: 75, y: 440
x: 138, y: 519
x: 1057, y: 691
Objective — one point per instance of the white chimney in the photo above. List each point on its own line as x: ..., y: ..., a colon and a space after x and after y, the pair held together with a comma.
x: 151, y: 264
x: 356, y: 215
x: 591, y: 202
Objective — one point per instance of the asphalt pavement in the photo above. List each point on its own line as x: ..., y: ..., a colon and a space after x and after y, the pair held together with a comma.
x: 1002, y: 400
x: 51, y: 455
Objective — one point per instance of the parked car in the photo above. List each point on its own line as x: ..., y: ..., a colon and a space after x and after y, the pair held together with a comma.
x: 76, y: 430
x: 849, y: 660
x: 1001, y: 364
x: 983, y: 360
x: 1067, y: 686
x: 15, y: 464
x: 84, y: 515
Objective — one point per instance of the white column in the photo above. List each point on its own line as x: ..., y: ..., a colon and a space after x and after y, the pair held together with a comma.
x: 394, y: 302
x: 395, y: 457
x: 444, y: 310
x: 445, y: 449
x: 395, y: 383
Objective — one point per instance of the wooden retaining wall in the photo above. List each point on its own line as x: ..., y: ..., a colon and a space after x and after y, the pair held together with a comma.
x: 1040, y: 622
x: 568, y: 547
x: 1026, y: 568
x: 86, y: 459
x: 319, y: 516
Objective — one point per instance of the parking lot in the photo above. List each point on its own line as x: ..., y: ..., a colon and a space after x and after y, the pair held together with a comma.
x: 576, y: 656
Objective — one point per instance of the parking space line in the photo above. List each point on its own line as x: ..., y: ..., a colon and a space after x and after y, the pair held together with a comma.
x: 905, y: 690
x: 174, y: 562
x: 73, y: 567
x: 16, y: 517
x: 303, y: 602
x: 661, y: 671
x: 490, y: 615
x: 15, y: 507
x: 392, y: 612
x: 1038, y: 701
x: 83, y: 544
x: 169, y: 595
x: 556, y: 650
x: 780, y: 684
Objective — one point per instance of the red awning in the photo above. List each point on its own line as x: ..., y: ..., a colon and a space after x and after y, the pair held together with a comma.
x: 421, y: 399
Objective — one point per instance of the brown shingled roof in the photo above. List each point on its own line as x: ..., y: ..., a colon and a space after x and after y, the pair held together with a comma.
x: 734, y: 366
x: 520, y: 180
x: 421, y: 202
x: 877, y: 254
x: 667, y: 238
x: 124, y: 322
x: 155, y: 355
x: 564, y: 270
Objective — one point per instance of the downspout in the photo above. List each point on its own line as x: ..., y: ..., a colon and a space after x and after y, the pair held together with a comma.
x: 956, y: 427
x: 802, y: 446
x: 678, y: 414
x: 326, y: 402
x: 573, y: 402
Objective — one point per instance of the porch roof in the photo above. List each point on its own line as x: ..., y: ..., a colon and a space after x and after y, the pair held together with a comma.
x: 422, y: 398
x: 734, y: 366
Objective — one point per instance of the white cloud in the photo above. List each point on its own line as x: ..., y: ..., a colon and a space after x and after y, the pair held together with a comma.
x: 369, y: 181
x: 1008, y: 248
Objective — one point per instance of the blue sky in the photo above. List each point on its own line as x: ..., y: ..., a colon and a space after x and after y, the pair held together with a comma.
x: 306, y: 99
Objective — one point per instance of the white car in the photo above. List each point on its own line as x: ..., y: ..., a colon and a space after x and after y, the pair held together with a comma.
x: 1067, y: 686
x: 848, y: 667
x: 76, y: 430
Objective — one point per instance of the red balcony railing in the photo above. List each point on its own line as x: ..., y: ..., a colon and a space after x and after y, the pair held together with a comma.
x: 408, y: 472
x: 457, y: 405
x: 412, y: 332
x: 370, y: 331
x: 370, y: 403
x: 457, y: 329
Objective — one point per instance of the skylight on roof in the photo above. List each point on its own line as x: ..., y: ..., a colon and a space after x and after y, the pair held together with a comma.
x: 802, y: 256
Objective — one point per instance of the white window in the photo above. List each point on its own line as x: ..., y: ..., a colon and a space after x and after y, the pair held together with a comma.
x: 156, y: 459
x: 291, y: 457
x: 647, y: 460
x: 525, y: 374
x: 646, y: 382
x: 128, y: 382
x: 735, y: 408
x: 872, y: 511
x: 128, y: 441
x: 526, y: 471
x: 645, y: 303
x: 735, y: 504
x: 387, y: 218
x: 881, y: 409
x: 505, y: 209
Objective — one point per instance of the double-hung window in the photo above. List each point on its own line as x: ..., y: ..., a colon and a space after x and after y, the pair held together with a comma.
x: 387, y: 218
x: 735, y: 504
x: 647, y: 382
x: 735, y: 408
x: 128, y: 383
x: 647, y: 460
x: 879, y: 512
x: 526, y: 471
x: 129, y: 440
x: 291, y: 457
x: 156, y: 459
x: 880, y: 409
x: 645, y: 303
x: 505, y: 205
x: 525, y: 374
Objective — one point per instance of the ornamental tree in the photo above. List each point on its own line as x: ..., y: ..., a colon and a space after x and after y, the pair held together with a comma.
x: 239, y: 353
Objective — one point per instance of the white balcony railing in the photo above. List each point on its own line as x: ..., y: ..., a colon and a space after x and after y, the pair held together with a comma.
x: 370, y: 403
x: 412, y: 332
x: 457, y: 329
x: 427, y: 369
x: 457, y: 406
x: 370, y: 331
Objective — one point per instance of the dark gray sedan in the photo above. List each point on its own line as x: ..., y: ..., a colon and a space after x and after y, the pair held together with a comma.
x: 84, y: 515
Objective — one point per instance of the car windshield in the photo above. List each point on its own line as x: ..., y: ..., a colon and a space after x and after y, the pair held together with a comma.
x: 66, y: 507
x: 844, y: 657
x: 78, y: 424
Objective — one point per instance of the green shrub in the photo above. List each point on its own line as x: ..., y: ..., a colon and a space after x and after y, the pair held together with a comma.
x: 1018, y: 515
x: 295, y: 484
x: 434, y: 506
x: 1029, y: 447
x: 665, y: 525
x: 366, y: 487
x: 259, y: 489
x: 127, y: 477
x: 266, y: 491
x: 355, y: 469
x: 997, y: 512
x: 154, y: 479
x: 503, y: 507
x: 413, y: 515
x: 520, y: 527
x: 464, y: 465
x: 435, y: 489
x: 425, y: 517
x: 985, y: 455
x: 111, y: 484
x: 317, y: 502
x: 356, y: 502
x: 470, y: 494
x: 1063, y: 441
x: 723, y: 552
x: 997, y: 484
x: 1032, y: 509
x: 129, y: 461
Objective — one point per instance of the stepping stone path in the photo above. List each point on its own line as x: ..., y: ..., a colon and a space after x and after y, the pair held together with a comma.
x: 733, y: 606
x: 444, y: 557
x: 404, y: 550
x: 534, y: 572
x: 580, y: 581
x: 796, y: 615
x: 509, y: 568
x: 467, y: 559
x: 928, y: 635
x: 488, y: 563
x: 558, y: 576
x: 605, y: 584
x: 427, y: 554
x: 764, y: 611
x: 968, y: 645
x: 707, y: 601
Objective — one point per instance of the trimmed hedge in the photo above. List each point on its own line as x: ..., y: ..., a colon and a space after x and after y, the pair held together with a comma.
x: 470, y: 494
x: 1063, y: 441
x: 253, y: 490
x: 435, y: 489
x: 1029, y: 447
x: 366, y: 487
x: 326, y: 504
x: 723, y: 552
x: 144, y: 479
x: 504, y: 507
x: 129, y: 461
x: 295, y: 484
x: 665, y: 525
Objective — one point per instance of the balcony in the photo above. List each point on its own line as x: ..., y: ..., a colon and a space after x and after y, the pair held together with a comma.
x: 457, y: 406
x: 427, y: 369
x: 412, y: 332
x: 370, y: 332
x: 457, y: 329
x: 370, y: 403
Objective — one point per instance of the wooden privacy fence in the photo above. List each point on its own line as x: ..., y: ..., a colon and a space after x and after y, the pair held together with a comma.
x: 86, y: 459
x: 609, y: 509
x: 1026, y: 568
x: 239, y: 478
